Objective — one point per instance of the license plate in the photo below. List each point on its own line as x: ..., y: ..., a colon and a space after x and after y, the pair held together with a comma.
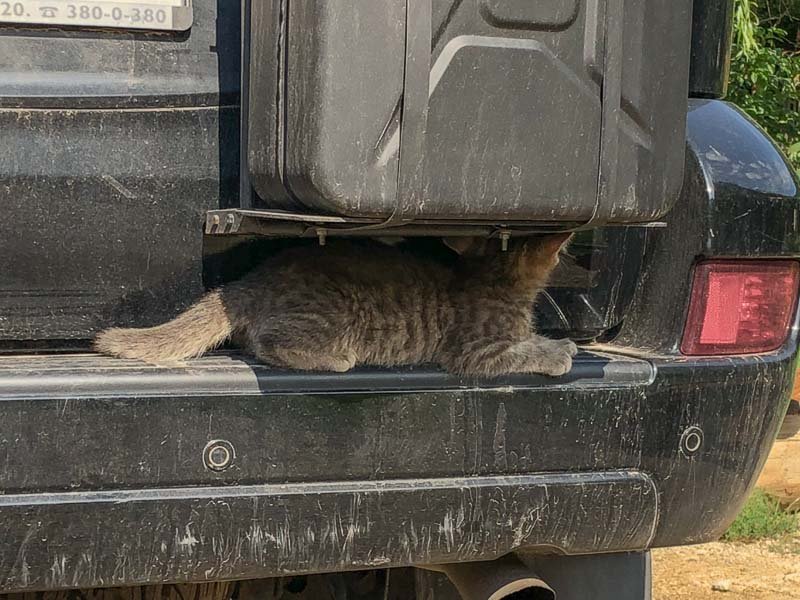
x: 165, y: 15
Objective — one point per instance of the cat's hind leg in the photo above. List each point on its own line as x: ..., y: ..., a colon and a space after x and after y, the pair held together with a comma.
x: 318, y: 359
x: 551, y: 357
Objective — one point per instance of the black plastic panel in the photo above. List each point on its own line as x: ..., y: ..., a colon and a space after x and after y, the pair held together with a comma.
x: 60, y: 68
x: 556, y: 111
x: 93, y: 376
x: 644, y: 109
x: 520, y: 14
x: 514, y: 114
x: 271, y: 530
x: 115, y: 144
x: 104, y: 214
x: 344, y: 80
x: 336, y: 480
x: 712, y: 26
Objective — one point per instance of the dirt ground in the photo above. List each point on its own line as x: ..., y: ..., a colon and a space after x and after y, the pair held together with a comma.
x: 722, y: 571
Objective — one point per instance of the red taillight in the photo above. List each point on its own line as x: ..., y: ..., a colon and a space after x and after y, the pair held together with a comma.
x: 740, y: 307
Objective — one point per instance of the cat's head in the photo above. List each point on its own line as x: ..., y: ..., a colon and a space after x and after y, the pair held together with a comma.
x: 530, y: 258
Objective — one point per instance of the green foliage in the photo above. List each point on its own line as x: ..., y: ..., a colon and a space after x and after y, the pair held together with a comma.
x: 784, y: 14
x: 765, y: 69
x: 745, y: 22
x: 761, y: 518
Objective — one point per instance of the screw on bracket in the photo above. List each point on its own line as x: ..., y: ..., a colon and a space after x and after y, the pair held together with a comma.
x: 504, y: 237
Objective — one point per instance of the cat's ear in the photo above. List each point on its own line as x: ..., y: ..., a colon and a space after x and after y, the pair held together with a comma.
x: 553, y: 243
x: 460, y: 245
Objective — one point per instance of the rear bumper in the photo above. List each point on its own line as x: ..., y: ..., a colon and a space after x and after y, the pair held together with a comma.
x: 112, y: 473
x: 109, y: 479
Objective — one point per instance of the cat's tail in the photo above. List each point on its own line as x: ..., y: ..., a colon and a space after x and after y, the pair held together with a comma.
x: 200, y: 328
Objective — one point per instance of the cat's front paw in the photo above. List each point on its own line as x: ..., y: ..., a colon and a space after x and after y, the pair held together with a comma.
x: 567, y: 346
x: 555, y: 364
x: 551, y: 345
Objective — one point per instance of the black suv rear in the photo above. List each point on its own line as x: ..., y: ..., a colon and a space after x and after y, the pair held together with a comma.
x: 142, y: 166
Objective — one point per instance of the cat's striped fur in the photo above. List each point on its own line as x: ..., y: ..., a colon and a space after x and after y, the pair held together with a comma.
x: 359, y: 303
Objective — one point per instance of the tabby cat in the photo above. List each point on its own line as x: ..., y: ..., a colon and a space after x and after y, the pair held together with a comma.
x: 330, y: 308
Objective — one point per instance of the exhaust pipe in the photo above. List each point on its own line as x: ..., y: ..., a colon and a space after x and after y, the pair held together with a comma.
x: 504, y: 579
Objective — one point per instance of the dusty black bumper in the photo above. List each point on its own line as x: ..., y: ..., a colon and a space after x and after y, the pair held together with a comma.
x: 109, y: 478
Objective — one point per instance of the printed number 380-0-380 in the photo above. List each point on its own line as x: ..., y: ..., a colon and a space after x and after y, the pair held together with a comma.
x: 133, y: 14
x: 88, y: 12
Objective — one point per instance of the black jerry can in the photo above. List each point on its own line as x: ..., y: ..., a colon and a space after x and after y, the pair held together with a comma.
x: 490, y: 110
